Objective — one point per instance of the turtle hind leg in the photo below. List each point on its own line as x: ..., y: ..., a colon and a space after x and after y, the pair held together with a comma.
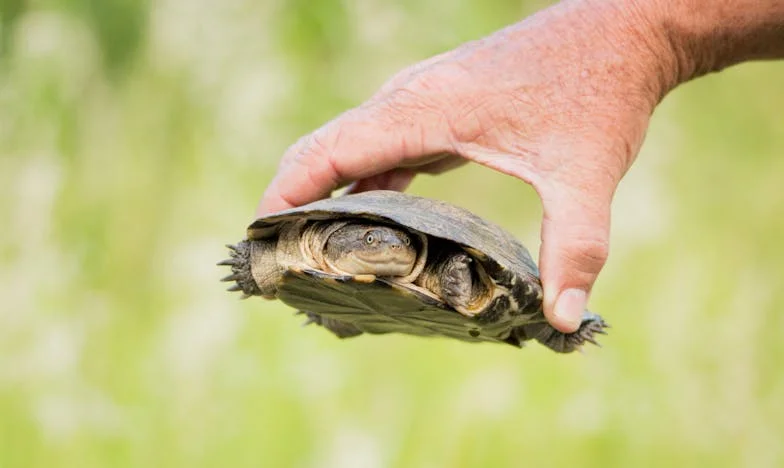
x: 253, y: 268
x: 560, y: 342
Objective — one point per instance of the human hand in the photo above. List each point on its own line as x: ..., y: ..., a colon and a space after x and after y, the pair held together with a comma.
x: 561, y: 101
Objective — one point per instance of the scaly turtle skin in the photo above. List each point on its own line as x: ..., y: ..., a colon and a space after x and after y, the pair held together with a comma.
x: 383, y: 262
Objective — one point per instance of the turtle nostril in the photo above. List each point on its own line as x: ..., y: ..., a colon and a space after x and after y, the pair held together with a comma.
x: 395, y: 247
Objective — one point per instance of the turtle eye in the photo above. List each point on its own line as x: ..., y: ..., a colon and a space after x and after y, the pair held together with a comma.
x: 407, y: 241
x: 369, y: 239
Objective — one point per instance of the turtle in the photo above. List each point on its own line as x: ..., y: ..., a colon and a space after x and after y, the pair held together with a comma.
x: 384, y: 261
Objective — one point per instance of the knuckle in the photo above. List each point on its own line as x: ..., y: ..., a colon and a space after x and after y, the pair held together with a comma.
x: 323, y: 140
x: 314, y: 157
x: 421, y: 92
x: 413, y: 73
x: 320, y: 144
x: 397, y: 81
x: 406, y: 102
x: 424, y: 83
x: 317, y: 145
x: 588, y: 254
x: 293, y: 152
x: 326, y: 140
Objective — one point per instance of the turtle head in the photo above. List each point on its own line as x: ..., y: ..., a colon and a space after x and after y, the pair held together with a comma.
x: 359, y: 249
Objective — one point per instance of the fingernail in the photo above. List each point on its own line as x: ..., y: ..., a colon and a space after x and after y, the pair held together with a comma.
x: 570, y: 306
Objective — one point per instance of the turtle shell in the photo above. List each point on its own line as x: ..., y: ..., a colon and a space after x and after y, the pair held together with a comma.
x: 349, y: 305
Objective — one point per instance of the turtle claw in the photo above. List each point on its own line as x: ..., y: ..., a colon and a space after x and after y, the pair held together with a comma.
x: 309, y: 321
x: 565, y: 342
x: 241, y: 271
x: 590, y: 326
x: 231, y: 277
x: 591, y: 340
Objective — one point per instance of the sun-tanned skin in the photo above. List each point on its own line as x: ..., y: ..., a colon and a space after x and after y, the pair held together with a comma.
x: 360, y: 249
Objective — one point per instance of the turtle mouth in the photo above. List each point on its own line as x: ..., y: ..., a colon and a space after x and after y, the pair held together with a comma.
x: 380, y: 265
x: 239, y: 261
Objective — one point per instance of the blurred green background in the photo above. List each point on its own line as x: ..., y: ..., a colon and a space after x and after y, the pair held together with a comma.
x: 135, y: 140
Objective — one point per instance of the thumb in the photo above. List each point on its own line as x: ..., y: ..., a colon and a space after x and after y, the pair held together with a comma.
x: 575, y: 243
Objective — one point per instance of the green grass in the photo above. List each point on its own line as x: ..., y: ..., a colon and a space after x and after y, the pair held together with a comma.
x: 130, y: 156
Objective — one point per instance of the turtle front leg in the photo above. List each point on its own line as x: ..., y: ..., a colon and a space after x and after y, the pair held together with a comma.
x: 456, y: 281
x: 449, y: 277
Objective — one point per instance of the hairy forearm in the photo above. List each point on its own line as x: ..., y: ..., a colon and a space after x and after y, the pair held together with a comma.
x: 709, y: 35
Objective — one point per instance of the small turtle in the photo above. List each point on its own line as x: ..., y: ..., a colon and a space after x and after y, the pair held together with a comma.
x: 384, y: 261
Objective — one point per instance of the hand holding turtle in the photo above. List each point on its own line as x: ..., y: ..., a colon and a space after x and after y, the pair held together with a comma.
x: 561, y: 100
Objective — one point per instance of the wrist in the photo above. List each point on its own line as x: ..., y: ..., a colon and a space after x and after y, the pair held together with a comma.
x: 705, y: 36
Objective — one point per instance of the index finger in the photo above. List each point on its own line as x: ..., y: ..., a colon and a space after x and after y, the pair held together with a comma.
x: 360, y: 143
